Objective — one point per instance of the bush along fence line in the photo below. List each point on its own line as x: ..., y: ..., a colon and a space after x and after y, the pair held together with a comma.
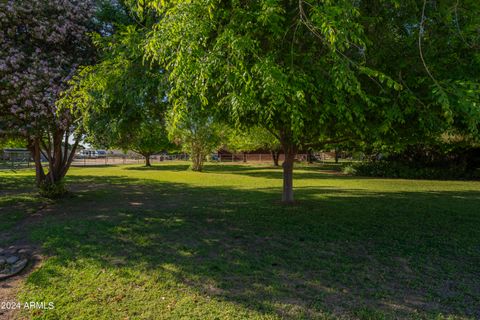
x: 391, y: 169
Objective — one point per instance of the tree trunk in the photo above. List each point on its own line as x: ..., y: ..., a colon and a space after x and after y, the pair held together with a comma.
x: 244, y: 157
x: 197, y: 159
x: 56, y: 163
x: 287, y: 196
x: 59, y: 161
x: 34, y: 147
x: 147, y: 161
x: 310, y: 156
x: 275, y: 156
x: 337, y: 155
x: 197, y: 163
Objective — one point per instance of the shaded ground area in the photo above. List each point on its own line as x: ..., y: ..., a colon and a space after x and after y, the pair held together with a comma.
x: 169, y: 243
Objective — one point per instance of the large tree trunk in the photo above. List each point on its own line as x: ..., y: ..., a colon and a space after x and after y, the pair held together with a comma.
x: 287, y: 196
x: 56, y: 161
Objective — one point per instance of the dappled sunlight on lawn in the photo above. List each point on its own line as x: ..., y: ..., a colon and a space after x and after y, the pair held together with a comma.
x: 139, y: 243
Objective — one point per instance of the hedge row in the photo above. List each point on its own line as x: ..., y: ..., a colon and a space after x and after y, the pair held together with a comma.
x: 390, y: 169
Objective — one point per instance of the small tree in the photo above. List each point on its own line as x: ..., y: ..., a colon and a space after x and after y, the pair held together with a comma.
x: 149, y: 139
x: 41, y: 45
x: 198, y: 134
x: 146, y: 138
x: 254, y: 139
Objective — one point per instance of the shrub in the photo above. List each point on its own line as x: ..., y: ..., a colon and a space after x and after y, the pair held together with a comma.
x: 392, y: 169
x: 53, y: 190
x: 350, y: 169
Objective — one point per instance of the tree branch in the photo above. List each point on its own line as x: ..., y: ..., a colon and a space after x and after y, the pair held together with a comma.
x: 71, y: 156
x: 65, y: 150
x: 47, y: 148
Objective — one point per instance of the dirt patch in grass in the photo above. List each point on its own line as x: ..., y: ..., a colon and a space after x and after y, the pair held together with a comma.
x: 8, y: 294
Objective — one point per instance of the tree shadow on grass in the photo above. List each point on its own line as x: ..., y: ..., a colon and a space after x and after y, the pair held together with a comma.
x: 266, y: 172
x: 98, y: 165
x: 18, y: 200
x: 16, y: 184
x: 161, y: 167
x: 344, y: 253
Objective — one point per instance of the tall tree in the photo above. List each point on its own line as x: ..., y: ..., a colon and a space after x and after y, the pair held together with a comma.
x: 321, y: 72
x: 293, y: 67
x: 123, y: 97
x: 41, y: 45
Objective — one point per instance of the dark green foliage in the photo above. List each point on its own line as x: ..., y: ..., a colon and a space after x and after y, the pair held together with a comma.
x: 313, y: 73
x: 198, y: 134
x: 449, y: 158
x: 393, y: 169
x: 432, y: 48
x: 53, y: 190
x: 439, y: 155
x: 123, y: 97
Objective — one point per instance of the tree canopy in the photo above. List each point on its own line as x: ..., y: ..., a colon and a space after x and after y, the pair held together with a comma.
x: 252, y: 139
x: 122, y: 98
x: 299, y: 69
x: 309, y: 73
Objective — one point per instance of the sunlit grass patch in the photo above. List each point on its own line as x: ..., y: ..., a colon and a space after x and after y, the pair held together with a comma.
x: 168, y: 243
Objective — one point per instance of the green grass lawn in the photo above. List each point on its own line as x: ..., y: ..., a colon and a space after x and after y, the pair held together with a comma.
x: 168, y: 243
x: 17, y: 200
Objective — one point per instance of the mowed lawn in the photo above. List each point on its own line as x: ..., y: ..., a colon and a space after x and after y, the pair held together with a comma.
x: 168, y: 243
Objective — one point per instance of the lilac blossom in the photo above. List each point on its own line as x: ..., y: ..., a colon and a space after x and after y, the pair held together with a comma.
x: 41, y: 45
